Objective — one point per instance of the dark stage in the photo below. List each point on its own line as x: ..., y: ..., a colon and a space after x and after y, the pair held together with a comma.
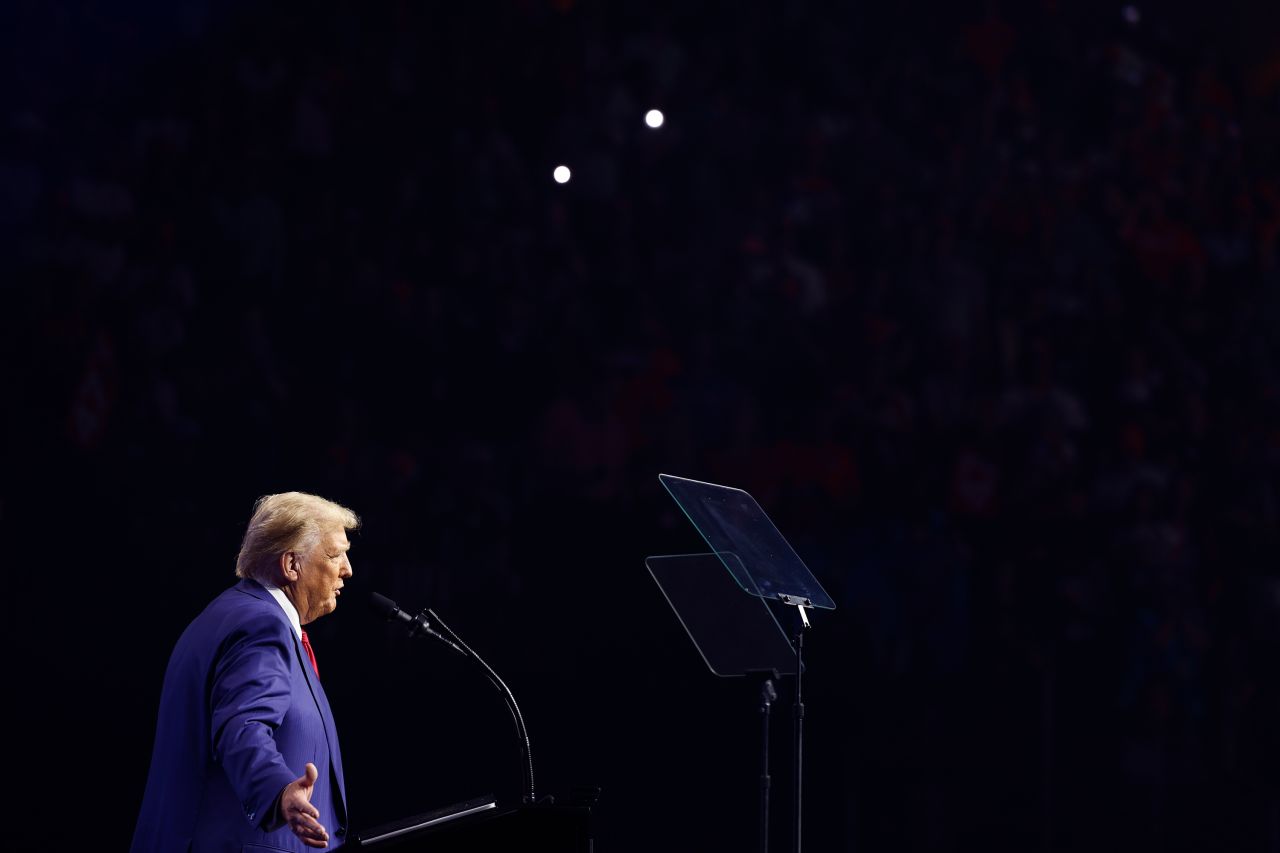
x: 979, y: 300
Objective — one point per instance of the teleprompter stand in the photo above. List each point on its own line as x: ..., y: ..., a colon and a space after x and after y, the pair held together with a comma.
x: 735, y: 634
x: 746, y: 542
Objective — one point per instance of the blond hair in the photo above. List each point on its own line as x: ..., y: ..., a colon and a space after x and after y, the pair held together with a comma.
x: 289, y: 521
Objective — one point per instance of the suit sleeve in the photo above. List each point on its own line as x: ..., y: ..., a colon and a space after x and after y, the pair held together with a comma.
x: 250, y: 696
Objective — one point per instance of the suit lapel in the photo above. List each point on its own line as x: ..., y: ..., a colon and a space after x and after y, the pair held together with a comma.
x: 317, y: 694
x: 326, y: 716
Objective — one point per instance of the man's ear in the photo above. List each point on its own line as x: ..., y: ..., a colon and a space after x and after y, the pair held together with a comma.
x: 289, y: 566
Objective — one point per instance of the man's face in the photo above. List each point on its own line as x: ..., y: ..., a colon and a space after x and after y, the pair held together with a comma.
x: 321, y: 574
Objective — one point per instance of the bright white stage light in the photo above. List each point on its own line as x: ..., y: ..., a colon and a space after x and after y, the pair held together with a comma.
x: 561, y: 174
x: 653, y: 118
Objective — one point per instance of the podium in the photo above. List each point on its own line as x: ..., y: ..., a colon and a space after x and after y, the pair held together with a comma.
x: 551, y: 828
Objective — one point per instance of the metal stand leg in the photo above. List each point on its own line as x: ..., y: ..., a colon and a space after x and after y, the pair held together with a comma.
x: 767, y: 695
x: 799, y: 722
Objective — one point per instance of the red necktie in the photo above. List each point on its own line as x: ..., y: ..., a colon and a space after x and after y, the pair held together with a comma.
x: 306, y: 644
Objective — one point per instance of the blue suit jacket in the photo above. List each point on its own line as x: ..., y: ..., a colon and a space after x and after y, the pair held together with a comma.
x: 241, y: 713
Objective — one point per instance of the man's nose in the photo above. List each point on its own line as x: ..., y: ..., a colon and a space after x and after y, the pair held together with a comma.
x: 346, y: 569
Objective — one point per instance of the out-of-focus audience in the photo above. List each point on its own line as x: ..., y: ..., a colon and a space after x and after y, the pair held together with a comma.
x: 980, y: 303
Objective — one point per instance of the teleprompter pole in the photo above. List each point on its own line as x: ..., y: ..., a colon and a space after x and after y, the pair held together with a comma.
x: 801, y: 627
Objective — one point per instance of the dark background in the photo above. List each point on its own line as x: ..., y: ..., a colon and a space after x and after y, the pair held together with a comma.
x: 978, y: 300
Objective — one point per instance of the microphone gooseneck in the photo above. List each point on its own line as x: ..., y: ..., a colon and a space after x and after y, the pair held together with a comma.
x: 530, y: 794
x: 420, y: 625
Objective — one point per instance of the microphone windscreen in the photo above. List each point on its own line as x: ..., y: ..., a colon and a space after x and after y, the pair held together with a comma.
x: 383, y: 605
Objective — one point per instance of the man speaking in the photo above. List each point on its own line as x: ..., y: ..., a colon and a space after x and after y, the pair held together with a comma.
x: 246, y: 752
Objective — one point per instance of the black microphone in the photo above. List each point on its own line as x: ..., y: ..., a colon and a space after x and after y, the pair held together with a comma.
x: 417, y: 625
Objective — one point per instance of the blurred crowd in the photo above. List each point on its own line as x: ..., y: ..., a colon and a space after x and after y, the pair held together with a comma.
x: 978, y: 303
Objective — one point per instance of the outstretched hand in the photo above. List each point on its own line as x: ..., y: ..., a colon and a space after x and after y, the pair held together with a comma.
x: 297, y: 811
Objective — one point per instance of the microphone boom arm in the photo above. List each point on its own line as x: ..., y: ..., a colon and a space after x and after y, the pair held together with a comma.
x: 526, y: 755
x: 419, y: 626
